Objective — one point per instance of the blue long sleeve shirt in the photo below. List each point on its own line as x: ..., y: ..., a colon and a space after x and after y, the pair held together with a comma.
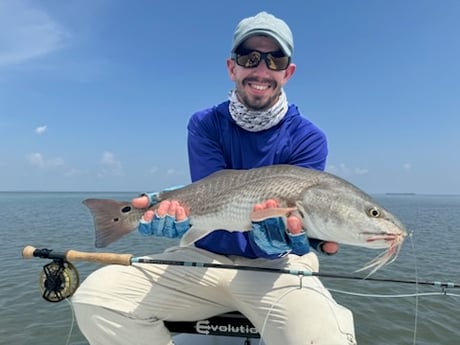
x: 216, y: 142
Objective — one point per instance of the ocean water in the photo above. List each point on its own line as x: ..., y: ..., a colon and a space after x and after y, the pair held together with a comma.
x: 384, y: 312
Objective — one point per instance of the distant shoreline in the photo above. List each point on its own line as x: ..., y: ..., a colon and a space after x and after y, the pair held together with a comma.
x: 395, y: 193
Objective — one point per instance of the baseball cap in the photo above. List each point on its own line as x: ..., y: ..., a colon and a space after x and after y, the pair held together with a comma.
x: 264, y: 24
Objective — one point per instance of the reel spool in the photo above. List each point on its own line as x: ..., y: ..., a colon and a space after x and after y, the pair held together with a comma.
x: 58, y: 280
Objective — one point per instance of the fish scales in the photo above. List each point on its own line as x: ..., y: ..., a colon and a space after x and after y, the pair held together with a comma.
x: 231, y: 195
x: 241, y: 187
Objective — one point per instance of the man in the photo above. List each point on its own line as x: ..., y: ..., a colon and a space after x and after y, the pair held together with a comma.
x: 256, y: 127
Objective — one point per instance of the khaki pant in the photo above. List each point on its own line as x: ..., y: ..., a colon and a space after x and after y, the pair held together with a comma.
x: 125, y: 305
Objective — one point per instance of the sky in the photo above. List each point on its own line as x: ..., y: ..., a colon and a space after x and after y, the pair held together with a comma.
x: 95, y: 95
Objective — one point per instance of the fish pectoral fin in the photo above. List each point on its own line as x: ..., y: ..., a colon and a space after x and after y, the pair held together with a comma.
x: 192, y: 235
x: 258, y: 216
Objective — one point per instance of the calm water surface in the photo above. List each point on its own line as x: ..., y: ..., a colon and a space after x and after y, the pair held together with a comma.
x: 382, y: 314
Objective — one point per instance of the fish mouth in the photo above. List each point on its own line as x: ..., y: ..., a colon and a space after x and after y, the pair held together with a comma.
x: 393, y: 242
x: 383, y: 236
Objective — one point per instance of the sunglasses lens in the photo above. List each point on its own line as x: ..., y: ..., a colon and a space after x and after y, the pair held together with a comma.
x: 275, y: 61
x: 249, y: 60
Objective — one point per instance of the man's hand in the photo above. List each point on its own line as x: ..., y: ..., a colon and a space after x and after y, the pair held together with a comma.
x: 169, y: 220
x: 329, y: 248
x: 294, y: 225
x: 172, y: 208
x: 276, y: 232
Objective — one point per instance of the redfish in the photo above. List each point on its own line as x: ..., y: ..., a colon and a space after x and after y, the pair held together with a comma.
x: 331, y: 209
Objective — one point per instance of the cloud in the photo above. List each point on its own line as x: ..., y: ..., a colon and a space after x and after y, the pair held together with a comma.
x: 111, y: 165
x: 41, y: 129
x: 407, y: 166
x: 27, y: 33
x: 344, y: 170
x: 152, y: 171
x: 38, y: 160
x: 75, y: 172
x: 361, y: 171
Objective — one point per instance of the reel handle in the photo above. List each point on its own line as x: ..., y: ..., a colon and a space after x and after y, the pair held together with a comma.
x: 74, y: 255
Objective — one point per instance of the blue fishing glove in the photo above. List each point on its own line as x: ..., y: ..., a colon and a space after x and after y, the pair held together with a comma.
x: 270, y: 238
x: 163, y: 226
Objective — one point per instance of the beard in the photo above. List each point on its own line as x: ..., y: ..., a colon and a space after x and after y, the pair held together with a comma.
x: 256, y: 102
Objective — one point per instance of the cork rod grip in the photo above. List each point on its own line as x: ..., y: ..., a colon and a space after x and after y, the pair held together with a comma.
x: 74, y: 255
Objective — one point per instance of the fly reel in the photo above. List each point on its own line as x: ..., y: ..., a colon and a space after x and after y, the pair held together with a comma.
x: 58, y: 280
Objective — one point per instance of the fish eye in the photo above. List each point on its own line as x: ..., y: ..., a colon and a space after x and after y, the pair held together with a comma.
x: 126, y: 209
x: 373, y: 212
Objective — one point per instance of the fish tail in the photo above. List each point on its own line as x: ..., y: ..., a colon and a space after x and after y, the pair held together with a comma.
x: 112, y: 220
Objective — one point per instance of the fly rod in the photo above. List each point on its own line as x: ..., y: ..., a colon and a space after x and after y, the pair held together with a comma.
x: 129, y: 259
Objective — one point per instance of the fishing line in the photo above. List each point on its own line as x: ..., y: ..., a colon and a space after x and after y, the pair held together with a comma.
x: 419, y: 294
x: 412, y: 242
x: 300, y: 287
x: 352, y: 293
x: 262, y: 330
x: 72, y: 323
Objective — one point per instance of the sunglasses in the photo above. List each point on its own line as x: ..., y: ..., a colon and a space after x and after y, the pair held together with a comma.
x: 248, y: 58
